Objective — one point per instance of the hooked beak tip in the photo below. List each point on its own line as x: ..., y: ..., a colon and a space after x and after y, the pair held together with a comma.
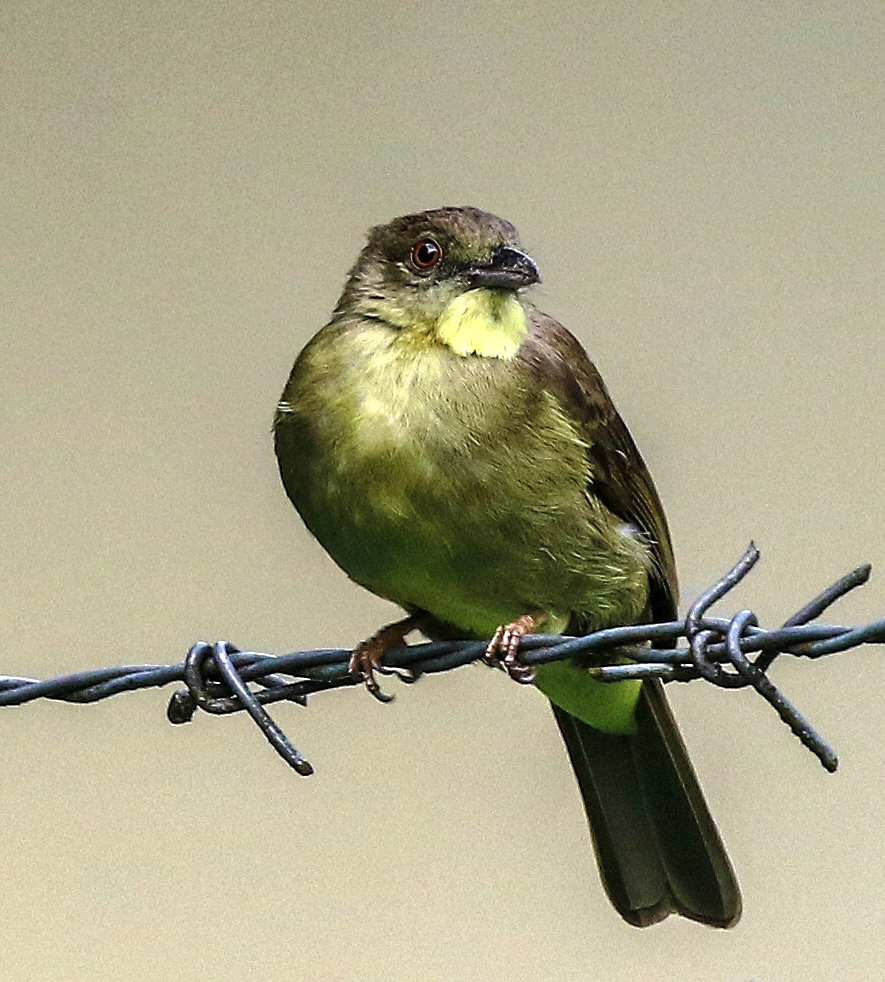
x: 509, y: 269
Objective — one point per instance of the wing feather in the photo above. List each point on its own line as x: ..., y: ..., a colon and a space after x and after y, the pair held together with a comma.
x: 620, y: 480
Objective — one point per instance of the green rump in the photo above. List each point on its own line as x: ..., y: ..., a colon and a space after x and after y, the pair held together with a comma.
x: 606, y: 706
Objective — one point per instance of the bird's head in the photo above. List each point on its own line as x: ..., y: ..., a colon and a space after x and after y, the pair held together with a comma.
x: 451, y: 274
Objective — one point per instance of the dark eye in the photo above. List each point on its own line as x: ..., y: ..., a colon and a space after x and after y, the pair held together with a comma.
x: 426, y: 254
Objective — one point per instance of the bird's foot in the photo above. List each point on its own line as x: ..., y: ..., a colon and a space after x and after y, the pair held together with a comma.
x: 366, y: 658
x: 503, y: 650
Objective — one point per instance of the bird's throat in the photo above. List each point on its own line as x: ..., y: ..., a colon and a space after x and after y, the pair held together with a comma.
x: 490, y: 323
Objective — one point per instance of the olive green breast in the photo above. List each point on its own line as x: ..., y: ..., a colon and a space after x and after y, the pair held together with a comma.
x: 450, y: 484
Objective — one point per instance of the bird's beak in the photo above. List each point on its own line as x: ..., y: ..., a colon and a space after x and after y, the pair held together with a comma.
x: 508, y: 269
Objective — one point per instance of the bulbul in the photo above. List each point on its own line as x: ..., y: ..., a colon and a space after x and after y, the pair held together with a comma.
x: 455, y: 451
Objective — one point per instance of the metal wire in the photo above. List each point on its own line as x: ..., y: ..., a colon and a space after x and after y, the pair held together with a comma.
x: 216, y: 675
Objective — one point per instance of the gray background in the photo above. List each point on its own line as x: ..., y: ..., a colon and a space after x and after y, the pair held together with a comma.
x: 184, y: 187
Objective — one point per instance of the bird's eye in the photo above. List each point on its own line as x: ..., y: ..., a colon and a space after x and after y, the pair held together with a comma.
x: 426, y: 254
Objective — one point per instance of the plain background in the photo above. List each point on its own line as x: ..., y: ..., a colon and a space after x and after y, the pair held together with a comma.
x: 184, y: 188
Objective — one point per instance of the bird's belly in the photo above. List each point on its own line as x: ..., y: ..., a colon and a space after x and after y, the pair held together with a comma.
x: 454, y: 515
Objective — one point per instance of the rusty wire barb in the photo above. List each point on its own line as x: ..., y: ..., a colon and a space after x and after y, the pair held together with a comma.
x: 217, y: 676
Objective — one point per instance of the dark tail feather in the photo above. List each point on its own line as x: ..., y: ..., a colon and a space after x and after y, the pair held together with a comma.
x: 657, y: 847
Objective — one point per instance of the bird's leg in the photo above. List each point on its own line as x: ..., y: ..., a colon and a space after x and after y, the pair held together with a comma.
x: 366, y: 657
x: 503, y: 649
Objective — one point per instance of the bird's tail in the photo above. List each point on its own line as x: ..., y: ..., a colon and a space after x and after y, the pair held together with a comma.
x: 658, y: 850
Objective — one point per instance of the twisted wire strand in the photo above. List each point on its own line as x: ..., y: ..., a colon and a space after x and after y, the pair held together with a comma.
x: 217, y: 675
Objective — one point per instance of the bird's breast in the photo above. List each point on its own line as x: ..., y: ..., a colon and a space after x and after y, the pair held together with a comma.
x: 447, y: 483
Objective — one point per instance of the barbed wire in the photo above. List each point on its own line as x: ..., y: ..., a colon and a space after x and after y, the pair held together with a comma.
x: 217, y: 675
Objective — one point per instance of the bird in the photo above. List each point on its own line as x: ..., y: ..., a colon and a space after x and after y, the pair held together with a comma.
x: 455, y: 451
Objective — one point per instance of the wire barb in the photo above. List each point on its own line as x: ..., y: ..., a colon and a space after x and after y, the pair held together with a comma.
x: 217, y: 676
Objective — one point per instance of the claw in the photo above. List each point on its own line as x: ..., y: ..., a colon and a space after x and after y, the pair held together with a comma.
x: 367, y: 656
x: 503, y: 650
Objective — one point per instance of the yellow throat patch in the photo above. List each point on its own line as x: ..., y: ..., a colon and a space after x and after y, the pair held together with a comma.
x: 485, y: 322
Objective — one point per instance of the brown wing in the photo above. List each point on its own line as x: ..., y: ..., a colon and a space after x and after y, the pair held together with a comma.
x: 657, y: 846
x: 621, y: 480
